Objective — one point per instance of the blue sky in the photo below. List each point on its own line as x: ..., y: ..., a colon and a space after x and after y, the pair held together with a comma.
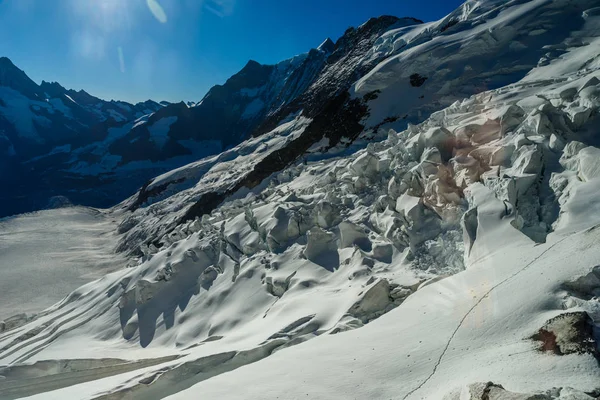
x: 175, y: 49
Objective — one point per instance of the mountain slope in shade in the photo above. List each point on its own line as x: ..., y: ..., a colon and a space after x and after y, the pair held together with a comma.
x: 346, y: 252
x: 73, y: 144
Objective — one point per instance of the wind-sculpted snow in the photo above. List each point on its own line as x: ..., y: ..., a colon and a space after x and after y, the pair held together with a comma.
x: 483, y: 45
x: 457, y: 251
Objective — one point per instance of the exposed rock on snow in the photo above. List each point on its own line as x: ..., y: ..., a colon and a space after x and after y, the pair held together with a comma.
x: 417, y: 80
x: 567, y: 334
x: 492, y: 391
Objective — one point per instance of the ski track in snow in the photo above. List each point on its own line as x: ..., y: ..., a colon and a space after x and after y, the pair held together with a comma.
x: 463, y: 319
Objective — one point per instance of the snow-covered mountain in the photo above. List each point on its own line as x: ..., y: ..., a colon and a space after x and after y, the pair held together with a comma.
x: 414, y: 215
x: 56, y: 141
x: 44, y: 130
x: 36, y: 118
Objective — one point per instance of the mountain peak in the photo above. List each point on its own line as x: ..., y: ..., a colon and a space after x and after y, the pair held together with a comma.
x: 252, y: 64
x: 51, y: 84
x: 6, y: 62
x: 82, y: 97
x: 13, y: 77
x: 52, y: 89
x: 327, y: 46
x: 7, y: 66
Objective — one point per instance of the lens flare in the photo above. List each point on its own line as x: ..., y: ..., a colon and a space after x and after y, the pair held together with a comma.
x: 157, y: 10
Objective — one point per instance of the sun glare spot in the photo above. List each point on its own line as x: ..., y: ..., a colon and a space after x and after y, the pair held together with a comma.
x: 89, y: 45
x: 105, y: 15
x: 157, y: 10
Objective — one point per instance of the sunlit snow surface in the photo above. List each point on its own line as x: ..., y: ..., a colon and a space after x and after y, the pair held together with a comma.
x: 414, y: 268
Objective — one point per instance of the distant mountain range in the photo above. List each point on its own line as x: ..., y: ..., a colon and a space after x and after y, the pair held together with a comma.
x: 61, y: 142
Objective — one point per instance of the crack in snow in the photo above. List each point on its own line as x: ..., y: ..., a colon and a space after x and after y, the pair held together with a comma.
x: 439, y: 361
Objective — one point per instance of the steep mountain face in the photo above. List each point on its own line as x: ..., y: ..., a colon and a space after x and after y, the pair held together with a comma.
x: 14, y: 78
x: 38, y: 118
x: 351, y: 58
x: 345, y: 246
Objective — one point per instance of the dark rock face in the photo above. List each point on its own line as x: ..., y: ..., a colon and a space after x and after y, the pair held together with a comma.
x: 339, y: 117
x: 343, y: 66
x: 328, y: 46
x: 144, y: 193
x: 448, y: 25
x: 568, y: 333
x: 417, y: 80
x: 14, y: 78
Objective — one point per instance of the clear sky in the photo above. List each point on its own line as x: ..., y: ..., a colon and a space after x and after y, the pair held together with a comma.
x: 175, y: 50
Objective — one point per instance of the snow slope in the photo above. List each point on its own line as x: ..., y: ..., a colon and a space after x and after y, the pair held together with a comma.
x: 457, y: 251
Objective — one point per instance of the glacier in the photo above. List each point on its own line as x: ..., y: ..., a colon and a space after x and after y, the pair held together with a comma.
x: 387, y: 235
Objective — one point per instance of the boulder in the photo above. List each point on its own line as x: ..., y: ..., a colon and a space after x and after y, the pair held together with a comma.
x: 568, y: 333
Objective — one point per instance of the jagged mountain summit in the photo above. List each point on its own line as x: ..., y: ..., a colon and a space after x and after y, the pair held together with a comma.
x: 44, y: 131
x: 413, y: 214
